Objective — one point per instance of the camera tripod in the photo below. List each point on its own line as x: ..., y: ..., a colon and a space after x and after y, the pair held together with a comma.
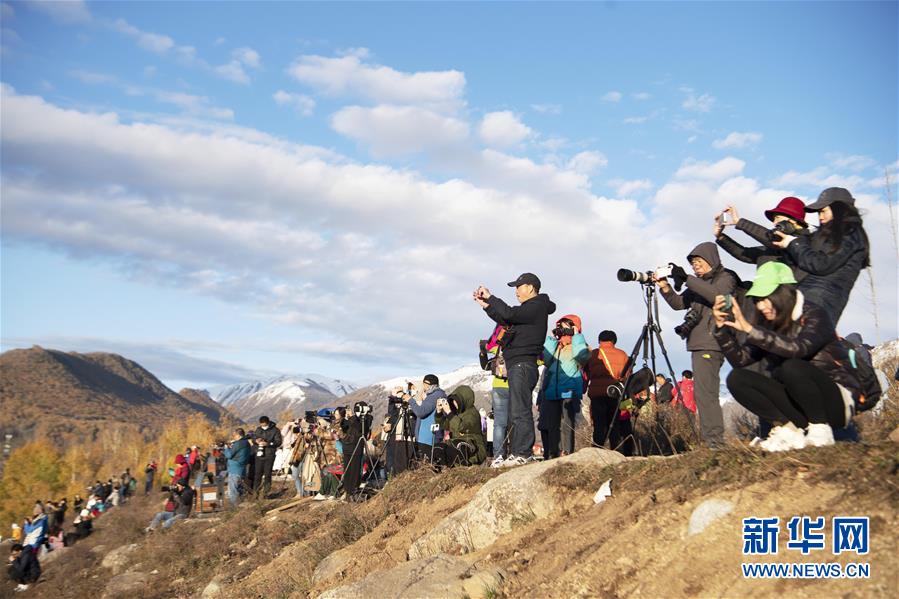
x: 649, y: 336
x: 365, y: 457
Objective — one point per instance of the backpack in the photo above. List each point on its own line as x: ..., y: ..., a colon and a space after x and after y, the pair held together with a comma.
x: 861, y: 366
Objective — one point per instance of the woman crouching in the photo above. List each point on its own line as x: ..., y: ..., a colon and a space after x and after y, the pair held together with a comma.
x: 805, y: 386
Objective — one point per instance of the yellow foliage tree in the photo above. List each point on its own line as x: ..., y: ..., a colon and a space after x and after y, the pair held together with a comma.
x: 34, y: 471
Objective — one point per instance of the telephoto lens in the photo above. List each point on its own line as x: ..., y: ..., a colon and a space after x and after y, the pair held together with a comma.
x: 625, y: 275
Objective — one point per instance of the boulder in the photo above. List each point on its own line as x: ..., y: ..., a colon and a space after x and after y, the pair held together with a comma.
x: 213, y: 590
x: 707, y: 512
x: 517, y: 496
x: 333, y: 565
x: 438, y: 576
x: 126, y: 586
x: 117, y: 559
x: 894, y: 436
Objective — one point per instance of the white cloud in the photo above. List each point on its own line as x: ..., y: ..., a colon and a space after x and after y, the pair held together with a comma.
x: 587, y: 163
x: 627, y: 189
x: 636, y: 120
x: 819, y: 178
x: 738, y: 140
x: 319, y: 242
x: 712, y: 171
x: 192, y: 104
x: 854, y: 162
x: 150, y: 71
x: 547, y: 108
x: 612, y: 96
x: 642, y: 96
x: 153, y: 42
x: 503, y: 129
x: 697, y: 102
x: 232, y: 71
x: 350, y: 75
x: 303, y: 104
x: 91, y: 77
x: 63, y: 11
x: 398, y: 130
x: 248, y: 57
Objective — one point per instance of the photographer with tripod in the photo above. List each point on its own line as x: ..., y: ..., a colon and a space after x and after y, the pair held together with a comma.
x: 709, y: 280
x: 356, y: 430
x: 399, y: 430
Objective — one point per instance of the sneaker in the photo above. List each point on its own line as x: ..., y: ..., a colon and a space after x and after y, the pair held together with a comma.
x: 755, y: 441
x: 819, y: 435
x: 497, y: 462
x: 784, y: 438
x: 319, y: 497
x: 21, y: 587
x: 513, y: 460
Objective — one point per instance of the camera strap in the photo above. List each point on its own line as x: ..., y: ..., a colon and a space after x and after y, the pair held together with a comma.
x: 608, y: 364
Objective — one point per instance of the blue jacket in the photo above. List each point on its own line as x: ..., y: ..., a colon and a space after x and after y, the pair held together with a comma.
x: 424, y: 415
x: 238, y: 455
x: 563, y: 378
x: 38, y: 527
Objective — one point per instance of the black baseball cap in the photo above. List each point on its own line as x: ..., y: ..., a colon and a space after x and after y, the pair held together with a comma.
x: 527, y: 278
x: 431, y: 379
x: 829, y: 196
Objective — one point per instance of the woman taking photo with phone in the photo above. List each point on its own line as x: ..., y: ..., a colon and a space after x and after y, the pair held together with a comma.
x: 807, y: 389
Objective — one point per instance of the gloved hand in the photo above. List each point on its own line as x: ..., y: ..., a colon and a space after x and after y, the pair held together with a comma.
x: 679, y: 276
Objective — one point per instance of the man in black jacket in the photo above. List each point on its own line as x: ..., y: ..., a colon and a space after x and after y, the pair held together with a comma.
x: 267, y: 440
x: 522, y: 347
x: 24, y: 567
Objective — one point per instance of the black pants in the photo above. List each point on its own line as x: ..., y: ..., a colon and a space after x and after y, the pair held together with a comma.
x: 552, y: 418
x: 452, y: 454
x: 620, y: 433
x: 403, y: 454
x: 353, y: 455
x: 262, y: 472
x: 522, y: 380
x: 798, y: 392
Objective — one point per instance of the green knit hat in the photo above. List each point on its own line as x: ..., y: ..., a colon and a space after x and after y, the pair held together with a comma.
x: 768, y: 277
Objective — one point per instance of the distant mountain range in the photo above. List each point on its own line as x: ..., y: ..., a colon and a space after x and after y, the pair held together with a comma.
x: 275, y: 396
x: 69, y: 397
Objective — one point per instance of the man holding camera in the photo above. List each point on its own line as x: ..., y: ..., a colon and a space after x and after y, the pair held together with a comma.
x: 423, y: 405
x: 267, y: 440
x: 523, y: 345
x: 709, y: 279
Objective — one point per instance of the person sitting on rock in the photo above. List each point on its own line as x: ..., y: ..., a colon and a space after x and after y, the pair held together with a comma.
x: 183, y: 501
x: 458, y: 416
x: 24, y: 567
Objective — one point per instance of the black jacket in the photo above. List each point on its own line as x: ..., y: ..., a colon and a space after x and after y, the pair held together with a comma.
x: 184, y: 502
x: 664, y: 393
x: 831, y: 271
x: 272, y: 435
x: 811, y: 337
x: 758, y: 255
x: 528, y: 326
x: 700, y: 295
x: 25, y: 569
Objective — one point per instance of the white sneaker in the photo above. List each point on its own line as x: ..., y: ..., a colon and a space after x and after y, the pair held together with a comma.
x: 319, y: 497
x: 784, y: 438
x: 513, y: 460
x: 497, y: 462
x: 755, y: 441
x: 819, y: 435
x: 21, y: 587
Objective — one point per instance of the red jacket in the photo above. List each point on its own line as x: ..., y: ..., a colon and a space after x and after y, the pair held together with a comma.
x: 686, y: 391
x: 598, y: 373
x: 182, y: 469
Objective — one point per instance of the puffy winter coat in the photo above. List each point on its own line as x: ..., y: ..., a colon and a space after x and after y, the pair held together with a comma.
x: 700, y: 296
x: 811, y: 337
x: 831, y: 271
x: 599, y: 377
x: 182, y: 468
x: 465, y: 425
x: 564, y: 361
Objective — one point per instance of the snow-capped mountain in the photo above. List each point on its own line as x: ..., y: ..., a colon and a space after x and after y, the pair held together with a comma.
x: 274, y: 396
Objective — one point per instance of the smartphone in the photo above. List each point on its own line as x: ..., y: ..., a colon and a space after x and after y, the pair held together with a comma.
x: 722, y: 218
x: 728, y: 303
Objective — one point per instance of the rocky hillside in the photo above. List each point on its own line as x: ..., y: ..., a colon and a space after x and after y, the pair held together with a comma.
x: 70, y: 397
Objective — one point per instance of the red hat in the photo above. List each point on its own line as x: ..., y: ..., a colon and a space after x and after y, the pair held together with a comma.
x: 792, y: 207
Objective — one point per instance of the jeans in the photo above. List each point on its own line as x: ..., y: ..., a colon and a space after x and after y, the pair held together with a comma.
x: 522, y: 380
x: 149, y: 484
x: 297, y: 474
x: 233, y: 489
x: 167, y: 519
x: 500, y: 419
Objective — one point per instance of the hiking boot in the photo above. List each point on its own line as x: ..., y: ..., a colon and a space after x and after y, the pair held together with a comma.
x: 819, y: 435
x: 497, y: 462
x: 784, y: 438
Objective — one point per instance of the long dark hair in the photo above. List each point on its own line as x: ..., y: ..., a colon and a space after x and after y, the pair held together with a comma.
x: 846, y: 219
x: 783, y: 299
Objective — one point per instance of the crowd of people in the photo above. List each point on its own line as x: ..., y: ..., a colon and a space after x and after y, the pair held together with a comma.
x: 45, y: 529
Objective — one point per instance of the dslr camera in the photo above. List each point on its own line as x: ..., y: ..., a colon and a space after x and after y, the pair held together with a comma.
x: 565, y: 328
x: 784, y: 227
x: 691, y: 319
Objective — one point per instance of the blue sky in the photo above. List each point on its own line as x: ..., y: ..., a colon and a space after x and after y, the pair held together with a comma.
x: 226, y: 190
